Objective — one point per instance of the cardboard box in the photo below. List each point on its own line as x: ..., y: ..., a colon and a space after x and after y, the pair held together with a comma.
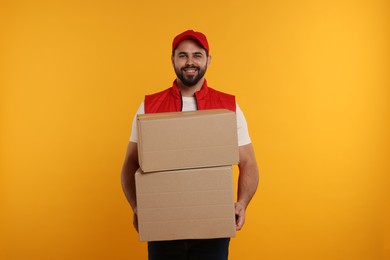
x: 183, y: 140
x: 185, y: 204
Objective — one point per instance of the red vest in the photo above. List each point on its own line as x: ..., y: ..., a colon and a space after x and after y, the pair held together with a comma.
x: 170, y: 100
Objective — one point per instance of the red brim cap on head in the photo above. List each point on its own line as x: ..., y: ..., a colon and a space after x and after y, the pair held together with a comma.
x: 191, y: 35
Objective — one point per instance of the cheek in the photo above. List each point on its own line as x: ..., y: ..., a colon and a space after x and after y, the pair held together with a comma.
x: 178, y: 63
x: 177, y: 66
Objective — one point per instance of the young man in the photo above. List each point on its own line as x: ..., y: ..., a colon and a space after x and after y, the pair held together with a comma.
x: 190, y: 59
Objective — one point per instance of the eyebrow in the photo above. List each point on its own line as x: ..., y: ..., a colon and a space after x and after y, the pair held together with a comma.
x: 186, y: 53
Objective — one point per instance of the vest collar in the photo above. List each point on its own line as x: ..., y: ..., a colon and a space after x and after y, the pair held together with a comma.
x: 199, y: 94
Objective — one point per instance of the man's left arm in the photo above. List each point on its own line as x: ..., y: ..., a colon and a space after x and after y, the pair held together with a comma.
x: 247, y: 182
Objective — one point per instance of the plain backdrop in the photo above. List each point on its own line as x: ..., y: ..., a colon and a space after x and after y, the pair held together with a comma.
x: 312, y: 78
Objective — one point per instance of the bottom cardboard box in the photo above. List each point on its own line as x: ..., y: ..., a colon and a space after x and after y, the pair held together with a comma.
x: 185, y: 204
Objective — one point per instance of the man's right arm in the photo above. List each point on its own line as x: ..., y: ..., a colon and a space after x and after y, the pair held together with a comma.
x: 130, y: 166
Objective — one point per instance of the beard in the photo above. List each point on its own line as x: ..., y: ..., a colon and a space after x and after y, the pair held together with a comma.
x: 190, y: 80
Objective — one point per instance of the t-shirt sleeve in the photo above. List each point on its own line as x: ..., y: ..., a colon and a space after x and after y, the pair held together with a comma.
x: 242, y: 128
x: 134, y: 133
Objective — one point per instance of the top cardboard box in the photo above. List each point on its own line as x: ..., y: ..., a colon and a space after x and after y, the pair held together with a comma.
x: 184, y: 140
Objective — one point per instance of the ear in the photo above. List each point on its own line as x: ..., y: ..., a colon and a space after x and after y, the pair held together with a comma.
x: 208, y: 60
x: 172, y: 60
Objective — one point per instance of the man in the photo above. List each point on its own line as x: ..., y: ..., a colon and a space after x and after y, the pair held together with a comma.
x: 190, y: 59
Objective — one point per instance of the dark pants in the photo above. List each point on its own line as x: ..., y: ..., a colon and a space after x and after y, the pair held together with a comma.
x: 189, y: 249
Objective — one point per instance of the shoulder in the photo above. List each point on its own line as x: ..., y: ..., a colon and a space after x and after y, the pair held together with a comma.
x: 224, y: 97
x: 158, y: 94
x: 220, y: 93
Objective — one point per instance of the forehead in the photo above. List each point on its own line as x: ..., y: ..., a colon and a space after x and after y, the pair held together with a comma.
x: 189, y: 46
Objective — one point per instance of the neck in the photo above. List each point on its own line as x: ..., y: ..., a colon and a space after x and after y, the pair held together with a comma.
x: 189, y: 91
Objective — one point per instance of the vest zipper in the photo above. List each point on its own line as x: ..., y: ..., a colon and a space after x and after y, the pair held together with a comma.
x: 181, y: 102
x: 196, y: 101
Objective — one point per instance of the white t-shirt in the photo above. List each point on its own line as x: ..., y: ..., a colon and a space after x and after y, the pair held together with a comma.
x: 189, y: 104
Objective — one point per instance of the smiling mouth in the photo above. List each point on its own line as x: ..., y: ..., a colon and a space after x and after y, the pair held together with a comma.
x: 190, y: 70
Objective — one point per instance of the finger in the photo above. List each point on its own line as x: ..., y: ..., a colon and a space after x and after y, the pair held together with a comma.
x: 239, y: 224
x: 135, y: 222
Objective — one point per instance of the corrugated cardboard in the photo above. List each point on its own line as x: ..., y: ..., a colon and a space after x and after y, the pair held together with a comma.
x: 185, y: 204
x: 182, y: 140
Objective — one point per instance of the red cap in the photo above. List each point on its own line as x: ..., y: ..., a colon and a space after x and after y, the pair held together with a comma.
x: 191, y: 35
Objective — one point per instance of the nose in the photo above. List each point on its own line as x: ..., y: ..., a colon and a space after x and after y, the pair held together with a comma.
x: 189, y: 61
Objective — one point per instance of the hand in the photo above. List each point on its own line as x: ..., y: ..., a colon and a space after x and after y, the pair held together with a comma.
x: 135, y: 219
x: 240, y: 215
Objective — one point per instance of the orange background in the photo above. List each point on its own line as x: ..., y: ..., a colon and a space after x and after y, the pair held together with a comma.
x: 311, y: 76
